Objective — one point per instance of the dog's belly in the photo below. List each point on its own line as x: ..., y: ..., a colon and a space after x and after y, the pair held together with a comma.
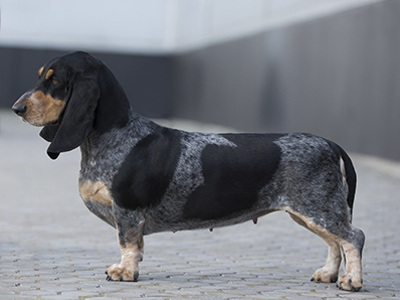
x: 154, y: 224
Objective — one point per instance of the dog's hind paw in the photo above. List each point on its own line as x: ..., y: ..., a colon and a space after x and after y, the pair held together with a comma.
x: 118, y: 273
x: 348, y: 282
x: 325, y: 275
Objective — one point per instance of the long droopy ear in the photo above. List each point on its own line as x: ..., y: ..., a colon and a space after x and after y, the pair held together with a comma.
x: 76, y: 119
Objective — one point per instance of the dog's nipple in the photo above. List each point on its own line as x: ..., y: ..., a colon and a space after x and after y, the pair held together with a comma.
x: 255, y: 221
x: 211, y: 229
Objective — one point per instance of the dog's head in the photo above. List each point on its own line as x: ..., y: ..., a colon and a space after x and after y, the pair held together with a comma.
x: 63, y: 100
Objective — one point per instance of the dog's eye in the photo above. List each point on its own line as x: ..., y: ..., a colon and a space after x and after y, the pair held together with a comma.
x: 54, y: 80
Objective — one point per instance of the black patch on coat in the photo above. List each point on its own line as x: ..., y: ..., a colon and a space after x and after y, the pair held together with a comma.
x: 147, y: 171
x: 233, y: 176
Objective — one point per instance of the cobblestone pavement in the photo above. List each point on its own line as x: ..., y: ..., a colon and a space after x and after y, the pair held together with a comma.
x: 52, y: 247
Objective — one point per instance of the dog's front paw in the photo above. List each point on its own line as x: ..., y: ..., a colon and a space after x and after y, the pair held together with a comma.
x: 325, y: 275
x: 117, y: 272
x: 348, y: 282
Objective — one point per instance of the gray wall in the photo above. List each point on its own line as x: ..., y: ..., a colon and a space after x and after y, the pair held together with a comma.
x: 336, y: 76
x: 147, y: 79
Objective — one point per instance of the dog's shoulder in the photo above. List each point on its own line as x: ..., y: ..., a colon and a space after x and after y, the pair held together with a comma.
x: 147, y: 169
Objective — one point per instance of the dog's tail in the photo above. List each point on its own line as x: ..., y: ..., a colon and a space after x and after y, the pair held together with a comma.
x: 351, y: 178
x: 348, y: 172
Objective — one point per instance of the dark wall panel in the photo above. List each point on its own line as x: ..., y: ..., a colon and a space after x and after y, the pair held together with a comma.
x: 146, y: 79
x: 337, y: 76
x: 223, y: 83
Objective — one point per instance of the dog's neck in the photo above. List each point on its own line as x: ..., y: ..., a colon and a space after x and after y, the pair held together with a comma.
x: 135, y: 128
x: 113, y: 110
x: 111, y: 147
x: 116, y: 128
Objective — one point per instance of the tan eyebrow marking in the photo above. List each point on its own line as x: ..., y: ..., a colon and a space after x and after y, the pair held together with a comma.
x: 49, y: 73
x: 41, y: 71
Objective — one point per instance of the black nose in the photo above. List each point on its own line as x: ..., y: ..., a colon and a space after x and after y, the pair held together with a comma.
x: 19, y: 109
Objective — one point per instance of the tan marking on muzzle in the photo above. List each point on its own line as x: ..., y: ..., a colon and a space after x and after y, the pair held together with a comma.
x: 95, y: 192
x: 41, y: 109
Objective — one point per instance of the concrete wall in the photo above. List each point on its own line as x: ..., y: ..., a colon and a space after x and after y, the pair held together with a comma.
x: 151, y: 26
x: 340, y: 77
x: 336, y: 76
x: 275, y: 66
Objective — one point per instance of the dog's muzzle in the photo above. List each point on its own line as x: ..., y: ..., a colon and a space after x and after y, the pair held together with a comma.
x: 19, y: 106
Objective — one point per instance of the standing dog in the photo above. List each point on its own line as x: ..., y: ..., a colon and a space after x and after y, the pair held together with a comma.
x: 142, y: 178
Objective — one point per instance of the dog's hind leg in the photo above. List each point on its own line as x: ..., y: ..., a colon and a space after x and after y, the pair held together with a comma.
x: 352, y: 247
x: 351, y: 239
x: 329, y: 273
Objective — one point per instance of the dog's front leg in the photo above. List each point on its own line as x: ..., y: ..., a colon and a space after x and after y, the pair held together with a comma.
x: 130, y: 238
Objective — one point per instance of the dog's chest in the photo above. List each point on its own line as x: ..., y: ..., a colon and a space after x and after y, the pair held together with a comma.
x: 95, y: 192
x: 97, y: 199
